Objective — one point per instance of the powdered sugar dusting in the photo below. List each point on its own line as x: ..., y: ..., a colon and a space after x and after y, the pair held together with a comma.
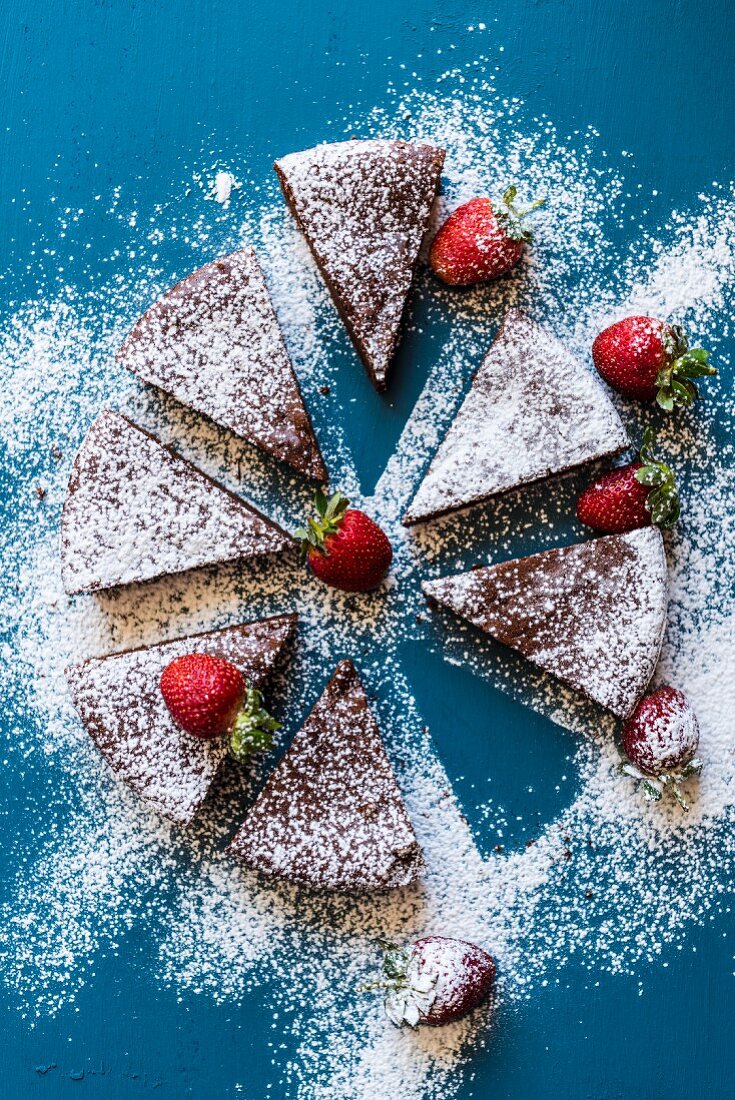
x: 214, y: 343
x: 364, y: 207
x: 100, y: 861
x: 593, y: 614
x: 331, y: 814
x: 122, y: 708
x: 532, y: 411
x: 135, y: 511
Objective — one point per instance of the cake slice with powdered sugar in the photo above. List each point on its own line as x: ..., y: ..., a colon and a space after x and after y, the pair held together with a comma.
x: 592, y: 614
x: 331, y: 815
x: 532, y: 411
x: 135, y: 510
x: 120, y: 703
x: 214, y: 343
x: 364, y: 208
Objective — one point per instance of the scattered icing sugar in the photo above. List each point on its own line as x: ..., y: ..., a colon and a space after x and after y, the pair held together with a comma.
x: 213, y: 342
x: 593, y: 614
x: 364, y: 207
x: 136, y: 511
x: 331, y: 814
x: 122, y: 708
x: 99, y: 862
x: 513, y: 427
x: 222, y: 187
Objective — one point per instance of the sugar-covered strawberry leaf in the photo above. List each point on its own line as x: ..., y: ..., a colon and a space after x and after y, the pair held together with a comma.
x: 253, y: 728
x: 650, y: 475
x: 321, y: 502
x: 511, y: 218
x: 663, y: 500
x: 674, y: 382
x: 651, y: 790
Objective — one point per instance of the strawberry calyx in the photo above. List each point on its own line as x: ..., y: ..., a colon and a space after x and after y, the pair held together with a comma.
x: 675, y: 383
x: 330, y: 511
x: 654, y: 787
x: 663, y: 499
x: 409, y: 994
x: 511, y: 217
x: 253, y: 728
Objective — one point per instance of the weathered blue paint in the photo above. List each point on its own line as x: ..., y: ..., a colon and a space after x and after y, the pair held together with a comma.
x: 97, y: 93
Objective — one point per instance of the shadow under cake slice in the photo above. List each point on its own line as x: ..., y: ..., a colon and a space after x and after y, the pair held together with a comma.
x: 213, y: 341
x: 331, y: 815
x: 120, y: 703
x: 592, y: 614
x: 364, y: 208
x: 135, y: 510
x: 532, y: 410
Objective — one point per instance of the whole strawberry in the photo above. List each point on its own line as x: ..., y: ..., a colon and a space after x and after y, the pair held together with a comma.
x: 434, y: 980
x: 480, y: 240
x: 344, y: 547
x: 209, y: 697
x: 632, y: 496
x: 650, y: 360
x: 660, y: 741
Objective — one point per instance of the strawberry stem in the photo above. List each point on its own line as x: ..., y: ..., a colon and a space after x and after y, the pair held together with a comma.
x: 663, y: 500
x: 511, y: 218
x: 329, y: 515
x: 407, y: 995
x: 253, y: 728
x: 675, y: 382
x: 655, y: 787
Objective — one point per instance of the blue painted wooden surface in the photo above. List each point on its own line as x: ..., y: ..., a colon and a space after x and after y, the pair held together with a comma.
x: 98, y: 92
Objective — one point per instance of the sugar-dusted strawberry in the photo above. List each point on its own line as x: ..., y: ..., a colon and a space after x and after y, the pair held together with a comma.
x: 636, y: 495
x: 434, y: 980
x: 209, y: 697
x: 651, y: 360
x: 660, y: 740
x: 344, y: 547
x: 480, y: 240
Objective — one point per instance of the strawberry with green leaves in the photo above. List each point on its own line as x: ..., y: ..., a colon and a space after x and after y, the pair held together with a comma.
x: 660, y: 741
x: 434, y: 980
x: 209, y: 697
x: 343, y: 546
x: 651, y: 360
x: 481, y: 240
x: 637, y: 495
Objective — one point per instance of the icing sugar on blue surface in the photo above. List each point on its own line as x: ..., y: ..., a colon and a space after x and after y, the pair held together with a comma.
x: 593, y: 885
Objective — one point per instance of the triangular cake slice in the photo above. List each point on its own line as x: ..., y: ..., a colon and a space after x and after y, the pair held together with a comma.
x: 331, y: 814
x: 136, y: 510
x: 364, y: 208
x: 120, y: 703
x: 592, y: 614
x: 533, y: 410
x: 214, y: 343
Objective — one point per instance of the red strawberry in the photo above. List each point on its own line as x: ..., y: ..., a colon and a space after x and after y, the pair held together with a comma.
x: 650, y: 359
x: 633, y: 496
x: 344, y: 547
x: 208, y: 697
x: 480, y: 240
x: 660, y: 741
x: 435, y: 980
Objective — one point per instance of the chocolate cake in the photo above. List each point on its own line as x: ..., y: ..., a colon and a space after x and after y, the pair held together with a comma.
x: 593, y: 614
x: 135, y: 510
x: 214, y: 343
x: 533, y: 410
x: 120, y: 703
x: 364, y: 208
x: 331, y: 815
